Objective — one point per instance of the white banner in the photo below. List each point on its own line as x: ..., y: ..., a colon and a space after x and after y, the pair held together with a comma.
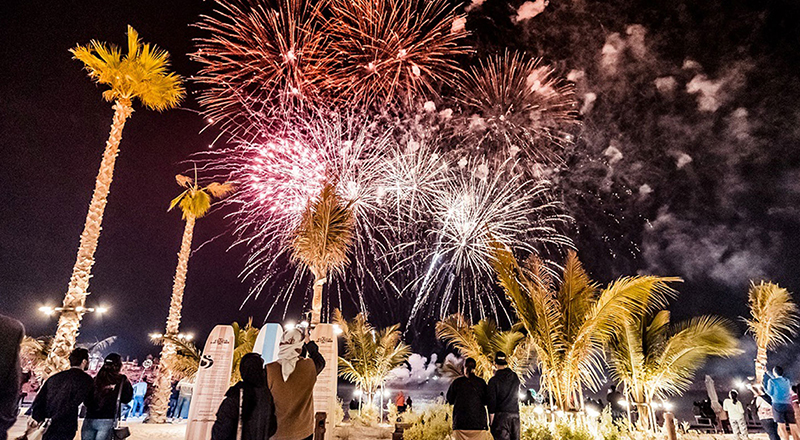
x: 213, y: 380
x: 325, y: 388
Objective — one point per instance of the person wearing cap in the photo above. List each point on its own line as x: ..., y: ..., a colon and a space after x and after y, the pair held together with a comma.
x: 503, y: 400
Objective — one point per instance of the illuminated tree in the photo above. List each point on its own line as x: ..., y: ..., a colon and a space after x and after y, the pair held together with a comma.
x: 141, y: 74
x: 369, y: 353
x: 773, y: 320
x: 323, y: 239
x: 194, y: 201
x: 569, y: 325
x: 654, y: 359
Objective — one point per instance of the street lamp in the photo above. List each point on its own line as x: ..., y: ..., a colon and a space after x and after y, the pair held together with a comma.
x: 50, y: 311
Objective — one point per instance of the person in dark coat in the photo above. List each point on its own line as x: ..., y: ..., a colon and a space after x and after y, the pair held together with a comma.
x: 61, y: 396
x: 101, y: 406
x: 11, y: 334
x: 258, y: 409
x: 503, y: 400
x: 468, y: 395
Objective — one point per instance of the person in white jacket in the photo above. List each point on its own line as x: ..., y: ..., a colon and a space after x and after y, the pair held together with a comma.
x: 733, y: 406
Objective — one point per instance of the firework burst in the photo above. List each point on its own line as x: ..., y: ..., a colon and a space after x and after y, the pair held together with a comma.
x: 474, y: 211
x: 259, y: 63
x: 519, y: 104
x: 278, y: 175
x: 388, y: 49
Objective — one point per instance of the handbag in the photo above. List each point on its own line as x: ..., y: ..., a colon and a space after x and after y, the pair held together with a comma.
x: 120, y: 432
x: 35, y: 432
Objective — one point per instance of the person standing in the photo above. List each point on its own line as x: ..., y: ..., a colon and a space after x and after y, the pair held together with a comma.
x: 763, y: 404
x: 733, y: 406
x: 779, y: 390
x: 503, y: 400
x: 61, y: 396
x: 111, y: 389
x: 400, y: 402
x: 137, y: 406
x: 11, y: 334
x: 291, y: 380
x: 468, y: 395
x: 250, y: 397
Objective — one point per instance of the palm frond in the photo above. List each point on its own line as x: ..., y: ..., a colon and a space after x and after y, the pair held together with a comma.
x: 369, y: 354
x: 140, y: 74
x: 325, y: 234
x: 774, y: 319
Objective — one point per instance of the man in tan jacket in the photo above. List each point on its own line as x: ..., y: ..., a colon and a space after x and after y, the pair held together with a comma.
x: 291, y: 380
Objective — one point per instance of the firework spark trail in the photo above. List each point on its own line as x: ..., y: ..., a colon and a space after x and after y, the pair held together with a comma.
x: 519, y: 104
x: 260, y: 64
x: 476, y: 211
x: 388, y: 49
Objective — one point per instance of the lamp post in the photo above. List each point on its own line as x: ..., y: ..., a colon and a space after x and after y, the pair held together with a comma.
x: 50, y: 311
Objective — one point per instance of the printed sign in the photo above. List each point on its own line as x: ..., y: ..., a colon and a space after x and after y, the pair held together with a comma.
x: 213, y: 380
x: 268, y: 342
x: 325, y: 388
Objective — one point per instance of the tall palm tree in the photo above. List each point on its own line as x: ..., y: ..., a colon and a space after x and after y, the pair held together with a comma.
x: 141, y: 75
x: 482, y: 340
x: 323, y: 239
x: 194, y: 201
x: 654, y: 359
x: 569, y: 325
x: 369, y: 354
x: 773, y: 320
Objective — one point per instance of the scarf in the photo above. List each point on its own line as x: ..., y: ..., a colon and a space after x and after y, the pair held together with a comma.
x: 289, y: 352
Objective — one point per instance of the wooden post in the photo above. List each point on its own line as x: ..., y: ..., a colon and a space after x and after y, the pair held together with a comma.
x: 669, y: 425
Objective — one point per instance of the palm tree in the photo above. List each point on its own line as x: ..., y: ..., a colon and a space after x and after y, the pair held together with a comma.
x: 369, y: 354
x: 773, y: 320
x: 140, y: 74
x: 34, y: 351
x: 322, y: 240
x: 187, y: 356
x: 244, y: 341
x: 194, y: 202
x: 654, y: 359
x: 482, y: 340
x: 569, y: 325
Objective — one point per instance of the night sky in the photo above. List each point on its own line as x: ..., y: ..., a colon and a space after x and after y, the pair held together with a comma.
x: 689, y: 145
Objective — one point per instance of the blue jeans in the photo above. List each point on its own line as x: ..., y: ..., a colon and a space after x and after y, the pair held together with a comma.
x: 137, y: 406
x: 182, y: 410
x: 97, y: 429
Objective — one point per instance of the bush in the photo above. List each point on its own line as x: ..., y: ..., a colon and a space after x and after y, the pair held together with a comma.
x: 367, y: 416
x: 434, y: 423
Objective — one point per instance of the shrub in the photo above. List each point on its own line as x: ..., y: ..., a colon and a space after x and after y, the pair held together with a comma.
x: 434, y: 423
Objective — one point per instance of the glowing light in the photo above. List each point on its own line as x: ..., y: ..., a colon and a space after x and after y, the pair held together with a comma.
x: 289, y: 325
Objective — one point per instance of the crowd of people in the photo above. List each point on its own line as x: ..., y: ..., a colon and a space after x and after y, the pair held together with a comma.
x: 273, y: 401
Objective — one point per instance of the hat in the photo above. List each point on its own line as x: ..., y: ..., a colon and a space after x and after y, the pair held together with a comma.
x: 500, y: 359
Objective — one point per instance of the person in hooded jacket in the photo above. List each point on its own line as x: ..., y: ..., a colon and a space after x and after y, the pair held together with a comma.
x: 468, y: 395
x: 291, y: 379
x: 111, y: 389
x: 257, y: 407
x: 503, y: 400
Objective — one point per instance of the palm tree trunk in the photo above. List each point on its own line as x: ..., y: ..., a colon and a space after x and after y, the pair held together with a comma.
x: 761, y: 363
x: 70, y: 319
x: 316, y: 302
x: 160, y: 402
